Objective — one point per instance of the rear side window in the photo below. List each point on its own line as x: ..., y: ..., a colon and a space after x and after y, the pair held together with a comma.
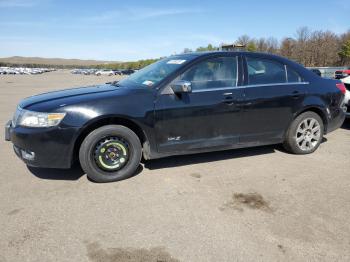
x: 265, y: 71
x: 212, y: 73
x: 293, y: 76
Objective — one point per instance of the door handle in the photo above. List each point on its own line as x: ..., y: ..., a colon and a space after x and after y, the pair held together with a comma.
x: 228, y: 100
x: 227, y: 94
x: 295, y: 94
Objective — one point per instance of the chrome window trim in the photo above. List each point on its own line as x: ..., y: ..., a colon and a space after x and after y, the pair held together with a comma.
x: 236, y: 57
x: 249, y: 86
x: 213, y: 89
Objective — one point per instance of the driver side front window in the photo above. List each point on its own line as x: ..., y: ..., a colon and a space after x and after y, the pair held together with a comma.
x: 212, y: 73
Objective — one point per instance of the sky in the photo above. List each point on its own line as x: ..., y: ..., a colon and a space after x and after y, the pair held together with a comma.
x: 131, y: 30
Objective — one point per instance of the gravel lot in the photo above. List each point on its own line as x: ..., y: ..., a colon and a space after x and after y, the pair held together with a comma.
x: 257, y: 204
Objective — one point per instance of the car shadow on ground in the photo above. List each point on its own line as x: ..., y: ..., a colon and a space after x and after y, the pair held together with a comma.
x: 346, y: 124
x: 183, y: 160
x: 73, y: 173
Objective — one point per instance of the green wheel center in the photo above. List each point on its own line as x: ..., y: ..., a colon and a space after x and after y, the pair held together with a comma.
x: 111, y: 154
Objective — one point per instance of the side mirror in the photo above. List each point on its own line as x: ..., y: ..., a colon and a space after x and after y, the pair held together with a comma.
x: 181, y: 86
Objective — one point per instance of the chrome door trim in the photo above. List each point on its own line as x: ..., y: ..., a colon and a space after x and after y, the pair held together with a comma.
x: 248, y: 86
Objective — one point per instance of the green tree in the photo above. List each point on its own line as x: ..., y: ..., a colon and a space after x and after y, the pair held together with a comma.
x: 251, y: 47
x: 209, y: 47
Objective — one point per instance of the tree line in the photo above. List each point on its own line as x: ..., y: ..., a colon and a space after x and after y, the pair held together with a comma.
x: 310, y: 48
x: 127, y: 65
x: 114, y: 66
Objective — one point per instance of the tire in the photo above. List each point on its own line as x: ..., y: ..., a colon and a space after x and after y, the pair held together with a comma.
x: 97, y: 147
x: 305, y: 134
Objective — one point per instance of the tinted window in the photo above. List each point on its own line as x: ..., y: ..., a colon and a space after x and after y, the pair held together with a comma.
x: 265, y: 71
x: 212, y: 73
x: 293, y: 76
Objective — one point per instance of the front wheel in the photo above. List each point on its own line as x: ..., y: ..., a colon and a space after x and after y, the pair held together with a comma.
x: 110, y: 153
x: 304, y: 134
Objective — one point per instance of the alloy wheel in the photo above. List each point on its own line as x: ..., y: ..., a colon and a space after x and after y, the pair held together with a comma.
x: 308, y: 134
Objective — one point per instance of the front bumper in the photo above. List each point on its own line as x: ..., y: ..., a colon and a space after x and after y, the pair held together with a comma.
x: 42, y: 147
x: 7, y: 131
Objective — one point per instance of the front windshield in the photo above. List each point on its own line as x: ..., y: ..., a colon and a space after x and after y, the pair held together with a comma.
x: 156, y: 72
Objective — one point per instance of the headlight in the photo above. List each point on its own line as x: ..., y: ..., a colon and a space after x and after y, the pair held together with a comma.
x: 38, y: 119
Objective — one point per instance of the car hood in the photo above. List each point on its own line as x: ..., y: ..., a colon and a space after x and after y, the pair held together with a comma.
x: 62, y: 96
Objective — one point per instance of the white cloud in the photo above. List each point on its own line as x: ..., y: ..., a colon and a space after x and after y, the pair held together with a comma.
x: 138, y: 14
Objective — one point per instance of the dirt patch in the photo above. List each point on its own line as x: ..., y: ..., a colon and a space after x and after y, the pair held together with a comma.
x: 280, y: 247
x: 27, y: 235
x: 156, y: 254
x: 14, y: 212
x: 249, y: 200
x: 196, y: 175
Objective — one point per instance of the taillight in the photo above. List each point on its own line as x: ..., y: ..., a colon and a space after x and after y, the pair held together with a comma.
x: 341, y: 87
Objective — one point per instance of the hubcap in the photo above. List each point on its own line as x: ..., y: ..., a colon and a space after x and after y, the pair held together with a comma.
x: 111, y: 154
x: 308, y: 134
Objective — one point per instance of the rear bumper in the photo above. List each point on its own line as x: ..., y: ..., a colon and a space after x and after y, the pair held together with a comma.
x: 347, y: 113
x: 336, y: 120
x: 42, y: 147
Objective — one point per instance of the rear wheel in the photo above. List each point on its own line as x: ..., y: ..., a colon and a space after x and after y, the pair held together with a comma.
x: 304, y: 134
x: 110, y: 153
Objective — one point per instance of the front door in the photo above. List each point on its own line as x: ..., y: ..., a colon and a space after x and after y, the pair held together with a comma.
x: 207, y: 117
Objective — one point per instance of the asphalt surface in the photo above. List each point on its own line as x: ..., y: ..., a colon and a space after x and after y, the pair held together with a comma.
x: 257, y: 204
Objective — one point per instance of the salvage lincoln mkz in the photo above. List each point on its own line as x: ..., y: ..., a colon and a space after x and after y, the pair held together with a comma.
x: 182, y: 104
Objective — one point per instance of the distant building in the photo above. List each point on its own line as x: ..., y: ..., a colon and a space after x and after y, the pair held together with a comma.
x: 232, y: 47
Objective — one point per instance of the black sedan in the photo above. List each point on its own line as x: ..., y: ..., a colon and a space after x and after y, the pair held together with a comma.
x: 182, y: 104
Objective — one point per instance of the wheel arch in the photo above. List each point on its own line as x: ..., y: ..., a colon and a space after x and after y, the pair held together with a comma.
x: 321, y: 112
x: 110, y: 120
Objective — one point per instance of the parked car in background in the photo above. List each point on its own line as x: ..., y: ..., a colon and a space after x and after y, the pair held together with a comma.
x: 347, y: 102
x: 105, y: 72
x: 24, y: 70
x: 128, y: 71
x: 85, y: 71
x: 182, y: 104
x: 117, y: 72
x: 344, y: 76
x: 339, y: 74
x: 316, y: 71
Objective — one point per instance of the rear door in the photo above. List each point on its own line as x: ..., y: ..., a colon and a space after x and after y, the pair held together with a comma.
x: 273, y: 92
x: 207, y: 117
